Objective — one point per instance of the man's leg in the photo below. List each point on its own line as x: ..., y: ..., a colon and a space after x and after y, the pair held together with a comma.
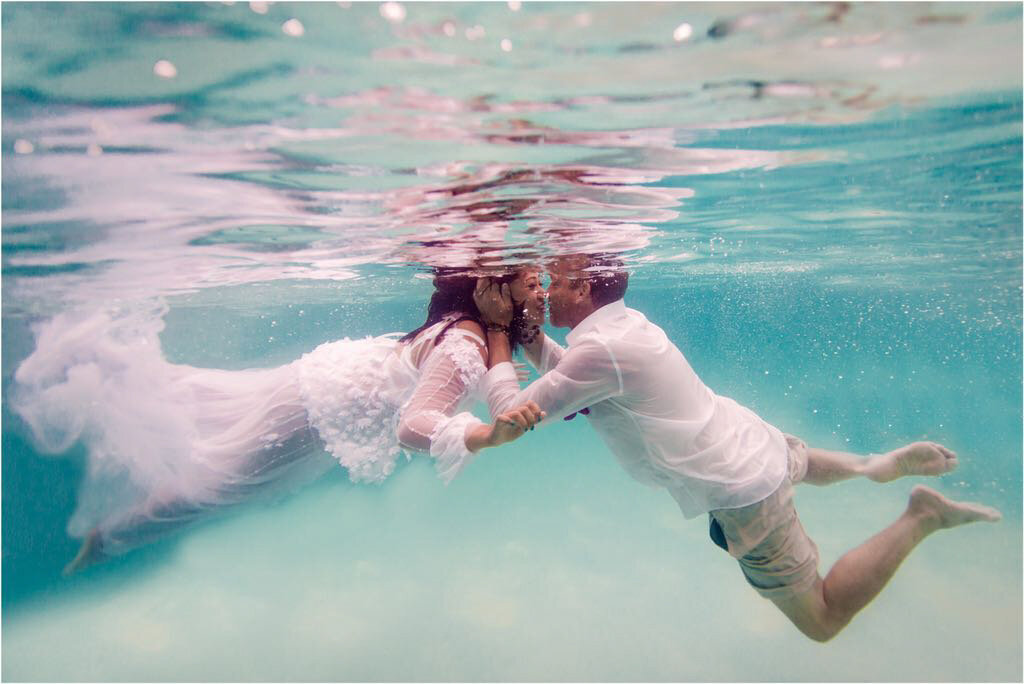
x: 920, y: 458
x: 856, y: 578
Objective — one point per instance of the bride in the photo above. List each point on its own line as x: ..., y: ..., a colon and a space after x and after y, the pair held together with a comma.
x: 169, y: 444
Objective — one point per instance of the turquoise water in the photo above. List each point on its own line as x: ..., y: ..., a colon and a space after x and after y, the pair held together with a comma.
x: 821, y: 206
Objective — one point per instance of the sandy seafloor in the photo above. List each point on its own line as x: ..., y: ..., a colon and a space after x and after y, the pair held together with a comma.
x: 584, y: 575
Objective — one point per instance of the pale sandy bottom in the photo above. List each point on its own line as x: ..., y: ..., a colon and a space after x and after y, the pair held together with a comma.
x: 585, y: 575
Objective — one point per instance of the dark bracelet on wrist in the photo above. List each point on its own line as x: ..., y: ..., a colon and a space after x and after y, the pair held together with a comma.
x: 529, y: 335
x: 497, y: 327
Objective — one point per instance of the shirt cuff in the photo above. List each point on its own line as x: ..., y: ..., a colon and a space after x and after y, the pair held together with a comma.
x: 502, y: 372
x: 448, y: 445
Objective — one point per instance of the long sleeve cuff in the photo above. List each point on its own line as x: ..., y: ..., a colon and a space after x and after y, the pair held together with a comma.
x: 499, y: 386
x: 448, y: 445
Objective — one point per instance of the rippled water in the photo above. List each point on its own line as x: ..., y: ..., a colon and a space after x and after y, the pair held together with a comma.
x: 820, y: 203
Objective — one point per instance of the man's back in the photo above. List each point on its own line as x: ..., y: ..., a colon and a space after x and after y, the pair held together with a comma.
x: 657, y: 379
x: 710, y: 451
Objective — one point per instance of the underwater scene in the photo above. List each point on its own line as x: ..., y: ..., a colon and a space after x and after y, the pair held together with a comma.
x: 819, y: 203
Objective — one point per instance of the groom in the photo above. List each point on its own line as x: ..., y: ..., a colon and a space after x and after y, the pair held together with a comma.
x: 713, y: 455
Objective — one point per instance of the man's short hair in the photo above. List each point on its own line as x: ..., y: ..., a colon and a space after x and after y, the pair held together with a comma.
x: 606, y: 274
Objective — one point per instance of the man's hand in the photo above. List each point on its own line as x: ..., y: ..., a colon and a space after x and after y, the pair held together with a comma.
x: 494, y: 302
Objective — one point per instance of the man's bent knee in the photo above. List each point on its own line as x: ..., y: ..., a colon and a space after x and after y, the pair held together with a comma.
x: 811, y: 615
x: 820, y: 631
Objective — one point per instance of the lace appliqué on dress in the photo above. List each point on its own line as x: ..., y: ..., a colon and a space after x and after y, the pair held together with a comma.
x: 466, y: 357
x: 343, y: 387
x: 366, y: 420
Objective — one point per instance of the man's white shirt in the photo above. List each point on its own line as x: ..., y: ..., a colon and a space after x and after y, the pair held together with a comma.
x: 663, y: 424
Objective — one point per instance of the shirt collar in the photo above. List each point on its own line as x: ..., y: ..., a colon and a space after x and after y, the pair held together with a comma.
x: 605, y: 313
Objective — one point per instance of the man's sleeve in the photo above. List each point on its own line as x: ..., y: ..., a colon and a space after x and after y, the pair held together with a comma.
x: 550, y: 353
x: 583, y: 375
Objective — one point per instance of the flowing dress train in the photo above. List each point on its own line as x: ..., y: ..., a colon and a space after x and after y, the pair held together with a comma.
x: 169, y: 443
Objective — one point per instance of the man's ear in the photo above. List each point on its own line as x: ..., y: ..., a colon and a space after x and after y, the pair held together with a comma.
x: 584, y: 288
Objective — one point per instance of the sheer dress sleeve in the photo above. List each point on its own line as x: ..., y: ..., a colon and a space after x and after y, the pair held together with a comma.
x: 429, y: 421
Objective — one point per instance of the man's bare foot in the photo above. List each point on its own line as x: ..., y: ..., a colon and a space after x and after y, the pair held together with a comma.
x: 919, y: 458
x: 91, y: 551
x: 943, y: 513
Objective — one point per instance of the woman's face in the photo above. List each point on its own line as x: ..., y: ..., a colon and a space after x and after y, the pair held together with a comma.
x: 528, y: 293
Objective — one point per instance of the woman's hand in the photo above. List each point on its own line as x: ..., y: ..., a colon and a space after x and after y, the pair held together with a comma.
x: 507, y: 427
x: 512, y: 424
x: 494, y: 302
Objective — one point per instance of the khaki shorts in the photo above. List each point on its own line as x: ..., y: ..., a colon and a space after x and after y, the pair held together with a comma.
x: 776, y: 555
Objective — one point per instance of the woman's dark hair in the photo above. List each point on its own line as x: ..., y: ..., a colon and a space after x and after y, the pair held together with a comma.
x: 453, y: 294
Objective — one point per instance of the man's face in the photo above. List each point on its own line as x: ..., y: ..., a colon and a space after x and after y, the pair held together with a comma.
x: 562, y: 296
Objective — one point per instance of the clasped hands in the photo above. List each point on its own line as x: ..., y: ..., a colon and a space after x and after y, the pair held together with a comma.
x: 514, y: 423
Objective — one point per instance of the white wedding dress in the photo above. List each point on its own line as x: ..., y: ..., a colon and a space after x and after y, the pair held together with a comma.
x: 169, y: 443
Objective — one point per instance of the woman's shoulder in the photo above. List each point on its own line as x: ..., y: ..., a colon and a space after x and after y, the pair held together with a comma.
x: 465, y: 343
x: 472, y: 326
x: 456, y: 328
x: 472, y: 332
